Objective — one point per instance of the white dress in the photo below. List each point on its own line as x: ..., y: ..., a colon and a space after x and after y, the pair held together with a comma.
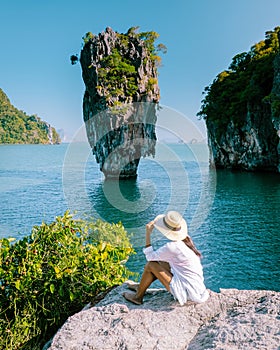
x: 187, y: 282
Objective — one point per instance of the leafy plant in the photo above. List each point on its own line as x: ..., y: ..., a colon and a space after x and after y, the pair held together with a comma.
x: 248, y: 81
x: 88, y: 37
x: 117, y: 76
x: 149, y: 39
x: 121, y: 74
x: 53, y: 273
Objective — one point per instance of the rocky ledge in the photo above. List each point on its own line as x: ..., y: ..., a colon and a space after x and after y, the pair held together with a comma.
x: 231, y: 319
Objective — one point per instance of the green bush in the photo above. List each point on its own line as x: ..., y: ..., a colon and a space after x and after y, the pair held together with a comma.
x: 120, y: 74
x: 53, y: 273
x: 247, y: 82
x: 117, y: 76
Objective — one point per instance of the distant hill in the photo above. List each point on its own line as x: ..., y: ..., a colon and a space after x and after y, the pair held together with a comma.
x: 18, y: 127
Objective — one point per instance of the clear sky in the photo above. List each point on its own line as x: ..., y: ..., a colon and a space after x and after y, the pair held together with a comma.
x: 38, y: 37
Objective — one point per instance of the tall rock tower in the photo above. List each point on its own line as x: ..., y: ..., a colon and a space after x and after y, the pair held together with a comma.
x: 121, y: 98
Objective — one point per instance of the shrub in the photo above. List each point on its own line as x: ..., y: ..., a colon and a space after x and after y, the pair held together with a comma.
x: 53, y: 273
x: 247, y: 82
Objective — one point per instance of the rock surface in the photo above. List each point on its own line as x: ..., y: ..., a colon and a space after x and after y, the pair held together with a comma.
x: 276, y: 101
x: 231, y: 319
x: 252, y: 143
x: 120, y: 100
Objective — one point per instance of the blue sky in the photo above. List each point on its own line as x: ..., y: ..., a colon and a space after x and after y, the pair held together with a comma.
x: 38, y: 37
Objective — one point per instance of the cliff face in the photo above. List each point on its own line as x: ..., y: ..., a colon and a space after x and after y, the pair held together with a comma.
x: 275, y: 107
x: 52, y: 134
x: 120, y: 100
x: 242, y: 110
x: 250, y: 146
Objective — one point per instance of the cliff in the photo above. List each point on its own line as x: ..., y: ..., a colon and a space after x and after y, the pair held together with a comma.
x: 275, y: 101
x: 17, y: 127
x: 120, y: 99
x: 231, y: 319
x: 242, y: 110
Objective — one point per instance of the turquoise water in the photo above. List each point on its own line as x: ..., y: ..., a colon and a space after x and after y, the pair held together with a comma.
x: 232, y: 217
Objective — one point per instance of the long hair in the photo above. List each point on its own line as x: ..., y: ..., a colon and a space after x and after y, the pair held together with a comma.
x: 189, y: 243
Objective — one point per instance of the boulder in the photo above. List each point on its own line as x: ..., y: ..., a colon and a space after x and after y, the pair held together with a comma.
x: 230, y: 319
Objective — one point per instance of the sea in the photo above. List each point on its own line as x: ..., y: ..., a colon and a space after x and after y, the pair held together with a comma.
x: 233, y: 217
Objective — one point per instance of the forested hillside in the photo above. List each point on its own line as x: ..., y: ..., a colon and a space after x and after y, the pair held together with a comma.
x: 18, y: 127
x: 248, y: 79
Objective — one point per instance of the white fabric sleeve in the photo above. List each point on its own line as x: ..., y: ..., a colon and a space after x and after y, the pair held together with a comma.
x: 164, y: 253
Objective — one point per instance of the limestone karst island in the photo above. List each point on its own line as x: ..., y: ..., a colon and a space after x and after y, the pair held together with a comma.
x: 241, y: 109
x: 121, y: 98
x: 62, y: 286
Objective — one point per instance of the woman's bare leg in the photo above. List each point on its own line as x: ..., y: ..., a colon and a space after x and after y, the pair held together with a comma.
x: 135, y: 286
x: 153, y: 270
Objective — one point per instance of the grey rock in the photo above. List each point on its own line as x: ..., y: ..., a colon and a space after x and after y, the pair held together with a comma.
x: 120, y: 121
x: 231, y: 319
x: 254, y: 144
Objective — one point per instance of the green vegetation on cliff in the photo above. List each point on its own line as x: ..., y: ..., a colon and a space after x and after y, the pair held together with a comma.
x: 247, y: 82
x: 119, y: 80
x: 53, y: 273
x: 17, y: 127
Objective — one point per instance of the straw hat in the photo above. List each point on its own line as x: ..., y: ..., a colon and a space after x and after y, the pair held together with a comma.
x: 172, y: 225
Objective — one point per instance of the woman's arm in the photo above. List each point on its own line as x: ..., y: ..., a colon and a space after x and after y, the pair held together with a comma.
x: 162, y: 254
x: 149, y: 230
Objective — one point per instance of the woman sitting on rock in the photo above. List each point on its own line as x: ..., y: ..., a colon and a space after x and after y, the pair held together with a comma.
x: 176, y: 264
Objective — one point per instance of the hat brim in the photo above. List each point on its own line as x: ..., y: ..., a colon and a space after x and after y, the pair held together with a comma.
x: 170, y: 234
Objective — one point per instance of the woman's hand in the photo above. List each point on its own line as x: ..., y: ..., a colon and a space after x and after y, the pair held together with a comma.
x: 149, y: 229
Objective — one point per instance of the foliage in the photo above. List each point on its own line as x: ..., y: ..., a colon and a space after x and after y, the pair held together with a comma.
x: 248, y: 80
x: 149, y: 39
x: 88, y: 37
x: 275, y: 105
x: 74, y: 59
x: 53, y: 273
x: 17, y: 127
x: 118, y: 77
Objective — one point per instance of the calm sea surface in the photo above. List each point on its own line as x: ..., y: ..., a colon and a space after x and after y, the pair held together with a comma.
x: 234, y: 218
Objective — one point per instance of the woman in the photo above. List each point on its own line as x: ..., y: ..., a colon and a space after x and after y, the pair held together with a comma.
x: 176, y: 264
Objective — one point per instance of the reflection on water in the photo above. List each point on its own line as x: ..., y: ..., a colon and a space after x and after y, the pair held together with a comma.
x: 233, y: 217
x: 119, y: 201
x: 241, y: 240
x: 133, y: 202
x: 239, y: 237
